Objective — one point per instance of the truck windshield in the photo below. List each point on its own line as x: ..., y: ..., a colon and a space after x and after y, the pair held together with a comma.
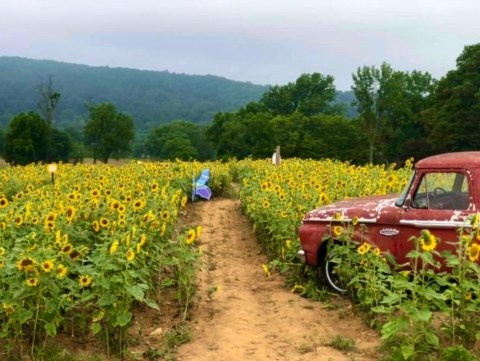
x: 401, y: 198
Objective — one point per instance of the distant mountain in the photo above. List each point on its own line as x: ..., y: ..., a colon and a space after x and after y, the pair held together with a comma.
x: 152, y: 98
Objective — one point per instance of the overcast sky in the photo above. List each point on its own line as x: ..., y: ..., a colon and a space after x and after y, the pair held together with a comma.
x: 261, y: 41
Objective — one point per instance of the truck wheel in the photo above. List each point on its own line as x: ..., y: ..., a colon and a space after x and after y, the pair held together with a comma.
x: 330, y: 275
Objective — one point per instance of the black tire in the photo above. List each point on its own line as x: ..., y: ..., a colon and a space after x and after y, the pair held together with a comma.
x: 329, y: 273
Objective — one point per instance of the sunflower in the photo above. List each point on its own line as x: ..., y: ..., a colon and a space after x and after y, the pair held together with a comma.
x: 8, y: 308
x: 32, y: 282
x: 143, y: 240
x: 154, y: 187
x: 18, y: 220
x: 130, y: 255
x: 104, y: 222
x: 3, y: 202
x: 191, y: 235
x: 61, y: 271
x: 71, y: 211
x: 138, y: 204
x: 49, y: 226
x: 47, y: 265
x: 85, y: 281
x: 58, y: 237
x: 165, y: 216
x: 266, y: 204
x: 3, y: 226
x: 473, y: 252
x: 67, y: 249
x: 163, y: 229
x: 183, y: 203
x: 114, y: 247
x: 354, y: 221
x: 96, y: 226
x: 265, y: 186
x: 428, y: 242
x: 376, y: 251
x: 121, y: 208
x: 95, y: 193
x: 114, y: 205
x: 337, y: 231
x: 51, y: 217
x: 198, y: 231
x: 26, y: 264
x: 75, y: 255
x: 364, y: 248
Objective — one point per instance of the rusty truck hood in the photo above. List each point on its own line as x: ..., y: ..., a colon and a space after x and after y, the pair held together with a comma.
x: 366, y: 209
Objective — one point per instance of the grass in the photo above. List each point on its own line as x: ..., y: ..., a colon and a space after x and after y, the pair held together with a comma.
x: 342, y: 344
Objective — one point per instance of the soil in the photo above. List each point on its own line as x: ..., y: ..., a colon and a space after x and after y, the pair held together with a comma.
x: 244, y: 314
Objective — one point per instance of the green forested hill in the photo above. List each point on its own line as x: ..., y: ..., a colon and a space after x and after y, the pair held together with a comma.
x: 152, y: 98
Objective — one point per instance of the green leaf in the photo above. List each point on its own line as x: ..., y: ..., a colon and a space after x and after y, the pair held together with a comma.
x: 432, y: 295
x: 96, y: 327
x: 432, y: 339
x: 151, y: 303
x: 107, y: 300
x: 392, y: 298
x: 124, y: 317
x: 23, y: 316
x: 51, y: 329
x: 421, y: 315
x: 103, y: 282
x: 137, y: 291
x: 98, y: 316
x: 393, y: 327
x: 408, y: 351
x: 167, y: 282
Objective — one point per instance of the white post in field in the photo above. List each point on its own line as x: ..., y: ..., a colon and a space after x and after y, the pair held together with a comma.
x: 276, y: 159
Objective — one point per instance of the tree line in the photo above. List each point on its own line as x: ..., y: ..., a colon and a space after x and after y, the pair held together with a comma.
x: 399, y: 115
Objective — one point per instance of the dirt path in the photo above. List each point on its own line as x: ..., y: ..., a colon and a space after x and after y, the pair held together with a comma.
x: 245, y: 315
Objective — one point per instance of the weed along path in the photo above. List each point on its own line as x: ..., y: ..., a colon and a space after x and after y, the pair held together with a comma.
x: 242, y: 314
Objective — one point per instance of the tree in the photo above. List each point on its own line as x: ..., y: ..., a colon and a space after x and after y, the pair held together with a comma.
x: 389, y: 105
x: 26, y: 139
x: 60, y: 146
x: 48, y: 101
x: 192, y: 135
x: 310, y: 94
x: 108, y: 133
x: 455, y: 112
x: 370, y: 90
x: 179, y: 146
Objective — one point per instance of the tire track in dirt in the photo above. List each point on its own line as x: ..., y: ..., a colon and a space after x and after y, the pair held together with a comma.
x: 244, y: 315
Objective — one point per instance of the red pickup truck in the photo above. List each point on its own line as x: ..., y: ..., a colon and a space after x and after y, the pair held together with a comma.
x: 441, y: 196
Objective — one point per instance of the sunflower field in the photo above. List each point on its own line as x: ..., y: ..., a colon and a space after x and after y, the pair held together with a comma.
x: 277, y: 198
x: 79, y: 250
x: 421, y: 314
